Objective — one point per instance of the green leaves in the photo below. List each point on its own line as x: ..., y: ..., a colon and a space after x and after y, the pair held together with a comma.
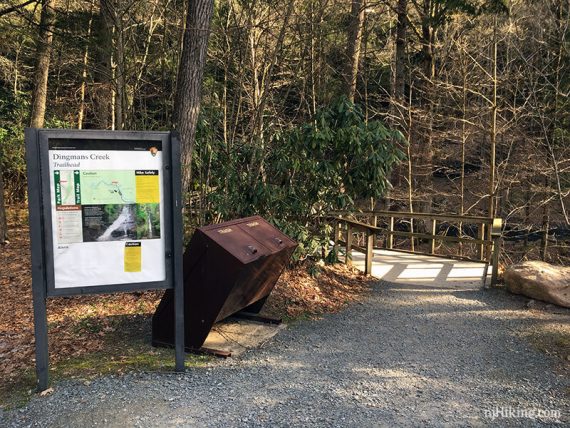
x: 306, y: 172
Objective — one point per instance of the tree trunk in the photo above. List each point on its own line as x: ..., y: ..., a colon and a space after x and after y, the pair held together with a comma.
x: 410, y: 178
x: 424, y: 138
x: 43, y: 54
x: 189, y: 85
x: 102, y: 73
x: 119, y: 85
x: 463, y: 147
x: 83, y: 88
x: 3, y: 224
x: 398, y: 102
x: 312, y: 59
x: 491, y: 204
x: 120, y: 81
x: 353, y: 46
x: 545, y: 225
x: 398, y: 90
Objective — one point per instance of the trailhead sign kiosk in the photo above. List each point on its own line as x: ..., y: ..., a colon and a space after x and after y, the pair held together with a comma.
x: 105, y: 216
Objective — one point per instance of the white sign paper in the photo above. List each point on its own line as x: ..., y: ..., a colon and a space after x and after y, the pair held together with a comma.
x: 107, y: 207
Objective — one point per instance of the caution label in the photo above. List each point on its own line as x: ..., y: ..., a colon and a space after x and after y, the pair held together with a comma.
x: 133, y: 256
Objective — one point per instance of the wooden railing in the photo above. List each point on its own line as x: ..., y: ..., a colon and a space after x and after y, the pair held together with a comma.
x: 488, y: 240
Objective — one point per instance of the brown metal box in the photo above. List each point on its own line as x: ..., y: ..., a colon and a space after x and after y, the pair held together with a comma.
x: 228, y: 267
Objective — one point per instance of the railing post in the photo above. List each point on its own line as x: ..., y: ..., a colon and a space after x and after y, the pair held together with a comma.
x: 369, y: 251
x: 390, y: 240
x: 433, y: 233
x: 461, y: 236
x: 496, y: 238
x: 412, y: 246
x: 348, y: 258
x: 481, y: 236
x: 336, y: 234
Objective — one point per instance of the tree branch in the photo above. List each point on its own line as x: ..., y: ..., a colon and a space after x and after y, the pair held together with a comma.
x: 14, y: 8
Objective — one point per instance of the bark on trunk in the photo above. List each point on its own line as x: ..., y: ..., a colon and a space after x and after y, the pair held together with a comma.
x: 353, y: 46
x: 398, y: 90
x: 398, y: 102
x: 423, y: 140
x: 120, y: 83
x: 102, y: 74
x: 83, y: 89
x: 3, y: 224
x: 189, y: 85
x: 492, y: 197
x: 43, y: 54
x: 545, y: 227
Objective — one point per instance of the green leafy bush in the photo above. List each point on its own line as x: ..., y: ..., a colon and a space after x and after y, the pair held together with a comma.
x: 13, y: 111
x: 300, y: 174
x: 14, y: 116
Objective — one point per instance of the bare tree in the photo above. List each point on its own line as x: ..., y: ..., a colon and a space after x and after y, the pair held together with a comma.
x: 398, y: 90
x: 3, y: 224
x: 190, y: 73
x: 83, y: 88
x: 353, y: 46
x: 102, y: 93
x: 43, y: 52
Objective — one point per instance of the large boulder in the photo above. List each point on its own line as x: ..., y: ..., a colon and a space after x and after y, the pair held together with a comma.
x: 541, y: 281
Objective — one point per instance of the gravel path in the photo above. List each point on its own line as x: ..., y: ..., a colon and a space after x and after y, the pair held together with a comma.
x: 405, y: 356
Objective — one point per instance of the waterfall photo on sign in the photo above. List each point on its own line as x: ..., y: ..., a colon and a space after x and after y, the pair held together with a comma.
x: 114, y: 222
x: 147, y: 218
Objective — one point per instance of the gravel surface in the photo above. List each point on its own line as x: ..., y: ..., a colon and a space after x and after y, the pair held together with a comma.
x: 405, y: 356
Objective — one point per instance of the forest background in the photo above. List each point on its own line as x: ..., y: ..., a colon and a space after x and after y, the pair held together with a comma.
x: 307, y: 106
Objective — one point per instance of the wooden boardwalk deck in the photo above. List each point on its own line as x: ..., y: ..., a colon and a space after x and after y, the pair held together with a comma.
x: 415, y: 269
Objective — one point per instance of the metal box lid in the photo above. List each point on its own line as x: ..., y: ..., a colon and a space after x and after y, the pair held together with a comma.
x: 237, y: 242
x: 266, y: 234
x: 249, y: 238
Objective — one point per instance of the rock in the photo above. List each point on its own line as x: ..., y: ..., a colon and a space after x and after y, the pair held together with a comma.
x: 540, y: 281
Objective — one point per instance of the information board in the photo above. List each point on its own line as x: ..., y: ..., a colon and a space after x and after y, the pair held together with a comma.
x: 107, y: 211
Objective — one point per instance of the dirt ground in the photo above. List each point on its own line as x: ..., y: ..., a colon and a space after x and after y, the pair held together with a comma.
x: 91, y: 336
x: 83, y: 328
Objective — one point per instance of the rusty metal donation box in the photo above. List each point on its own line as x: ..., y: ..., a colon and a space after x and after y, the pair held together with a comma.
x: 228, y: 267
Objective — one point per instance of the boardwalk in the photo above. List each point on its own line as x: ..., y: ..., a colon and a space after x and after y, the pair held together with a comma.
x: 434, y: 271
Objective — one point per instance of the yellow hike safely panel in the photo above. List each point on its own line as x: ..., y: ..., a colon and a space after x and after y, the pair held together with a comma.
x: 148, y: 186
